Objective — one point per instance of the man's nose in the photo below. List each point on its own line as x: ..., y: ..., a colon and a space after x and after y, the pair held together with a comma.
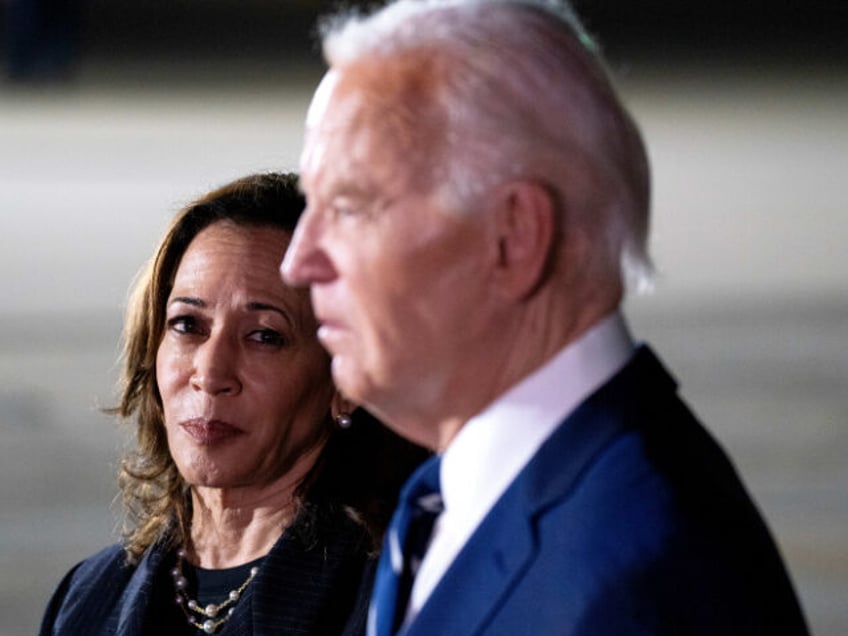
x: 306, y: 262
x: 216, y: 367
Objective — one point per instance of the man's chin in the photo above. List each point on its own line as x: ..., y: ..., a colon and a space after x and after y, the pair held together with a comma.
x: 352, y: 381
x: 345, y: 376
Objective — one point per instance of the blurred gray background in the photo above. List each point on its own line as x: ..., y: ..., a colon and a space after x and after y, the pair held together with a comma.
x: 114, y: 114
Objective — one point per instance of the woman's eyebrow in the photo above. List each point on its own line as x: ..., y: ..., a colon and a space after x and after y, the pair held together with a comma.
x: 253, y: 305
x: 260, y: 306
x: 187, y: 300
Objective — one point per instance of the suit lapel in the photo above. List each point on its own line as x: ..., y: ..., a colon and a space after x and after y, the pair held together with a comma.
x: 484, y: 570
x: 504, y: 545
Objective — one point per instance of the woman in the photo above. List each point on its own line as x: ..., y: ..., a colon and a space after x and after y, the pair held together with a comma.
x: 253, y: 506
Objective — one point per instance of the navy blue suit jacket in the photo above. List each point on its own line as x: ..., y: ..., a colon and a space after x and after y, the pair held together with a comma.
x: 319, y: 589
x: 629, y: 520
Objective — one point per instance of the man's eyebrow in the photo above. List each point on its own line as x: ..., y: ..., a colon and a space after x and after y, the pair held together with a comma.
x: 347, y: 184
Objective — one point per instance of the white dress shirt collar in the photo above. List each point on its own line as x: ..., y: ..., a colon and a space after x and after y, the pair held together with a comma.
x: 493, y: 446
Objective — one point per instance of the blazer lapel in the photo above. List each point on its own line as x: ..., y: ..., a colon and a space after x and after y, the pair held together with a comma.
x: 300, y: 584
x: 504, y: 544
x: 276, y: 605
x: 136, y: 596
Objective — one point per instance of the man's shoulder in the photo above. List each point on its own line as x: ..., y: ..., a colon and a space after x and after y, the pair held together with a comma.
x: 633, y: 456
x: 627, y: 418
x: 629, y: 508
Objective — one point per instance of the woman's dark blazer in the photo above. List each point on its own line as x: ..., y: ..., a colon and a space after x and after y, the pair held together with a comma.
x: 316, y: 580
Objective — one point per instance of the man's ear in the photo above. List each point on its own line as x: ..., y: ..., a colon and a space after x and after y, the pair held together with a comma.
x: 526, y: 224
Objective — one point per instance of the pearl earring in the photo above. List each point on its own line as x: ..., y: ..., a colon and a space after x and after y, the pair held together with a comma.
x: 344, y: 420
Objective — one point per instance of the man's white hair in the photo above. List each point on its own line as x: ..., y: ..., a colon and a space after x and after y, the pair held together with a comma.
x: 350, y: 34
x: 524, y: 94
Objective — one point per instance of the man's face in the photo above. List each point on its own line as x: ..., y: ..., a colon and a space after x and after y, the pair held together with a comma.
x: 398, y: 282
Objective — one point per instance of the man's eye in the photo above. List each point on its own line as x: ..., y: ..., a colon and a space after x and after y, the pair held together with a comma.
x: 344, y: 210
x: 268, y: 337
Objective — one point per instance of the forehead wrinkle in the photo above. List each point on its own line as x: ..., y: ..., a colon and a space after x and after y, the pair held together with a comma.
x: 392, y: 106
x: 236, y: 265
x: 336, y: 143
x: 402, y: 94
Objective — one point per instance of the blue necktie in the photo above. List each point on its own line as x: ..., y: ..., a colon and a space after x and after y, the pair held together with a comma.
x: 403, y: 549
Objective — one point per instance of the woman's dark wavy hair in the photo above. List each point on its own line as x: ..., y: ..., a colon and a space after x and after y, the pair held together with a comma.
x: 360, y: 469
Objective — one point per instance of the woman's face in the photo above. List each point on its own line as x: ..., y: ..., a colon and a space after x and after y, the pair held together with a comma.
x: 245, y: 384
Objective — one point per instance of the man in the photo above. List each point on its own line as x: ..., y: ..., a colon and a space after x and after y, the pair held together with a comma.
x: 477, y: 201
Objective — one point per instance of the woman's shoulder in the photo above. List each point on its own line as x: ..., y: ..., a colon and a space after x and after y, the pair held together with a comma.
x: 86, y: 587
x: 108, y: 563
x: 110, y: 559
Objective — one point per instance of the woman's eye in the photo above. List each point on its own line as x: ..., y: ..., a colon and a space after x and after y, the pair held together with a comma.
x: 183, y: 324
x: 268, y: 337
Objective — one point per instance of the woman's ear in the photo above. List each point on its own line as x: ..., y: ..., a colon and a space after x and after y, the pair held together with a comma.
x: 526, y: 226
x: 341, y: 409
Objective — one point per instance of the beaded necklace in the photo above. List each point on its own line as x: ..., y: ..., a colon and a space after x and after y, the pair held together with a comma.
x: 207, y: 619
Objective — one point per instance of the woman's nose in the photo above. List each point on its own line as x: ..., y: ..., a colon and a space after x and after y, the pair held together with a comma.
x: 216, y: 367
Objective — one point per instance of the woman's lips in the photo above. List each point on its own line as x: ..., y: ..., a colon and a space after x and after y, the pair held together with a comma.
x: 210, y: 431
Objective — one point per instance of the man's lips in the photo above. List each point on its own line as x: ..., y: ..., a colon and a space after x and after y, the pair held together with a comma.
x: 210, y: 431
x: 328, y: 330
